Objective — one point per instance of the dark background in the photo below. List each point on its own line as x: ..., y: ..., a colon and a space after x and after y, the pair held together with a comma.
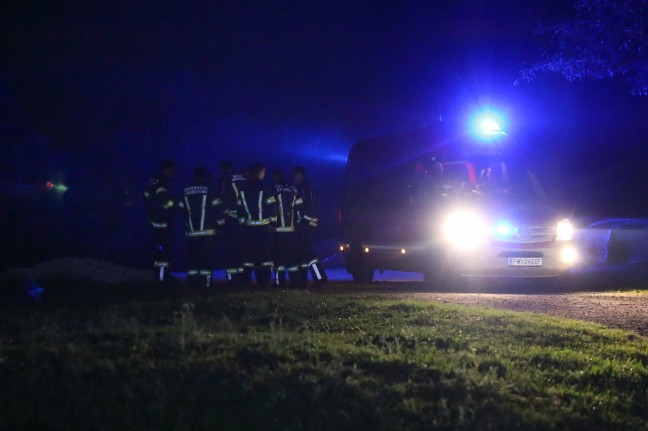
x: 94, y: 94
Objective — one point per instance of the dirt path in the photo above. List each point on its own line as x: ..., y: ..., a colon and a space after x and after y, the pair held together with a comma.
x: 623, y: 310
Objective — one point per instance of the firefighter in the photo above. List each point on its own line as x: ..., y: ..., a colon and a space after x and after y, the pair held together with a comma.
x: 257, y: 213
x: 232, y: 233
x: 203, y: 211
x: 285, y: 246
x: 160, y: 205
x: 307, y: 222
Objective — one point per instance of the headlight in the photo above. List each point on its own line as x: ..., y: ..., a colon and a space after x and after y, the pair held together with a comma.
x: 569, y: 255
x: 564, y: 231
x: 465, y: 229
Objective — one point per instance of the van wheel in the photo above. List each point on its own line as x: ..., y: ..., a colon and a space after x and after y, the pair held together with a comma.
x: 442, y: 277
x: 567, y: 282
x: 363, y: 275
x: 555, y: 285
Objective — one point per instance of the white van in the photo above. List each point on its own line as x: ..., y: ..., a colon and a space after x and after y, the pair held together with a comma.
x: 448, y: 210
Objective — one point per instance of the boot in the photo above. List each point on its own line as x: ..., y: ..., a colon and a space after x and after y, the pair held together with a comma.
x: 246, y: 277
x: 294, y: 277
x: 280, y: 278
x: 318, y: 273
x: 161, y: 274
x: 205, y: 278
x: 302, y: 278
x: 263, y: 276
x: 233, y: 277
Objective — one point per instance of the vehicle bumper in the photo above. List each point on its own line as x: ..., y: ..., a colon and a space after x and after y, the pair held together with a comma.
x: 486, y: 261
x: 494, y: 261
x: 398, y: 257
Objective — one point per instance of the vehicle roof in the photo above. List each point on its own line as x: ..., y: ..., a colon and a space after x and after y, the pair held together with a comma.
x: 438, y: 140
x: 381, y: 154
x: 617, y: 220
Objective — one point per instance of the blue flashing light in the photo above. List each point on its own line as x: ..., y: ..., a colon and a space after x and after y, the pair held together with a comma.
x: 490, y: 127
x: 487, y: 124
x: 504, y: 229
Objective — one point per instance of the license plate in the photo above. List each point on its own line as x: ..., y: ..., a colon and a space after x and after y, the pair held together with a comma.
x: 525, y: 261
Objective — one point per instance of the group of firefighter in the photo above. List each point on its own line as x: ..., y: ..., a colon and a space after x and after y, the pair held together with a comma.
x: 240, y: 223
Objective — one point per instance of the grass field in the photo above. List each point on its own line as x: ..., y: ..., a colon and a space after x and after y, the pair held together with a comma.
x: 297, y: 360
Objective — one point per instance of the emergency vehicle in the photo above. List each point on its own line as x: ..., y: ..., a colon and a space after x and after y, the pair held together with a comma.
x: 449, y: 208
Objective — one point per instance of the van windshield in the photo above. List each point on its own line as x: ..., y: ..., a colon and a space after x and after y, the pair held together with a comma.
x: 508, y: 181
x: 427, y: 182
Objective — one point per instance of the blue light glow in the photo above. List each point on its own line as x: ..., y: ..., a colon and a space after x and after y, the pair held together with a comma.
x: 504, y: 229
x: 490, y: 127
x: 488, y: 124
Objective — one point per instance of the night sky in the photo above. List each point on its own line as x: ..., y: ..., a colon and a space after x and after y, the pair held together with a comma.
x: 120, y: 85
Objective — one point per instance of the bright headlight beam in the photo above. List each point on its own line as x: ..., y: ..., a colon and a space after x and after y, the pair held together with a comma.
x: 464, y: 229
x: 569, y: 255
x: 564, y: 231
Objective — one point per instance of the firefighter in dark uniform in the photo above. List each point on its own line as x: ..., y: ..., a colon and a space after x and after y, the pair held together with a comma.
x: 231, y: 241
x: 307, y: 222
x: 160, y: 205
x: 204, y: 214
x: 257, y: 214
x: 285, y: 245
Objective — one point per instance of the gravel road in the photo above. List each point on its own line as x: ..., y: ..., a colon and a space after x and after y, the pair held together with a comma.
x: 615, y: 309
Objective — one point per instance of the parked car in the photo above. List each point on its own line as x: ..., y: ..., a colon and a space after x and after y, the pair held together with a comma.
x: 614, y: 240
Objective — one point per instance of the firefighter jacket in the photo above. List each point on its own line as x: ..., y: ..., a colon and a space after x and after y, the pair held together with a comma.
x: 307, y: 212
x: 229, y: 192
x: 203, y: 210
x: 159, y: 203
x: 257, y: 204
x: 287, y: 207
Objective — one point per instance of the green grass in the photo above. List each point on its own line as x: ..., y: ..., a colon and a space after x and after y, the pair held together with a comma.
x: 296, y: 360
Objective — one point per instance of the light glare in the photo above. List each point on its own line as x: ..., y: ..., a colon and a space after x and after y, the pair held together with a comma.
x: 464, y: 229
x: 504, y: 229
x: 569, y: 255
x: 564, y: 231
x: 490, y: 127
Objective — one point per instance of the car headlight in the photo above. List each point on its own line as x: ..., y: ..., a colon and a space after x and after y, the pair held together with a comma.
x: 465, y: 229
x: 565, y: 231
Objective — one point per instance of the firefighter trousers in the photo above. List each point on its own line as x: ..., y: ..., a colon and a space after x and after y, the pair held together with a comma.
x: 308, y: 261
x: 285, y: 258
x: 200, y: 259
x: 161, y: 253
x: 231, y: 249
x: 258, y: 255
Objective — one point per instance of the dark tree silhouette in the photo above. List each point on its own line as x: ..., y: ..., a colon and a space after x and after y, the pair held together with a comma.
x: 605, y: 38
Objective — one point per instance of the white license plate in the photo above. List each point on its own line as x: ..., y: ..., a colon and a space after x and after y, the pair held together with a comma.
x: 524, y: 261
